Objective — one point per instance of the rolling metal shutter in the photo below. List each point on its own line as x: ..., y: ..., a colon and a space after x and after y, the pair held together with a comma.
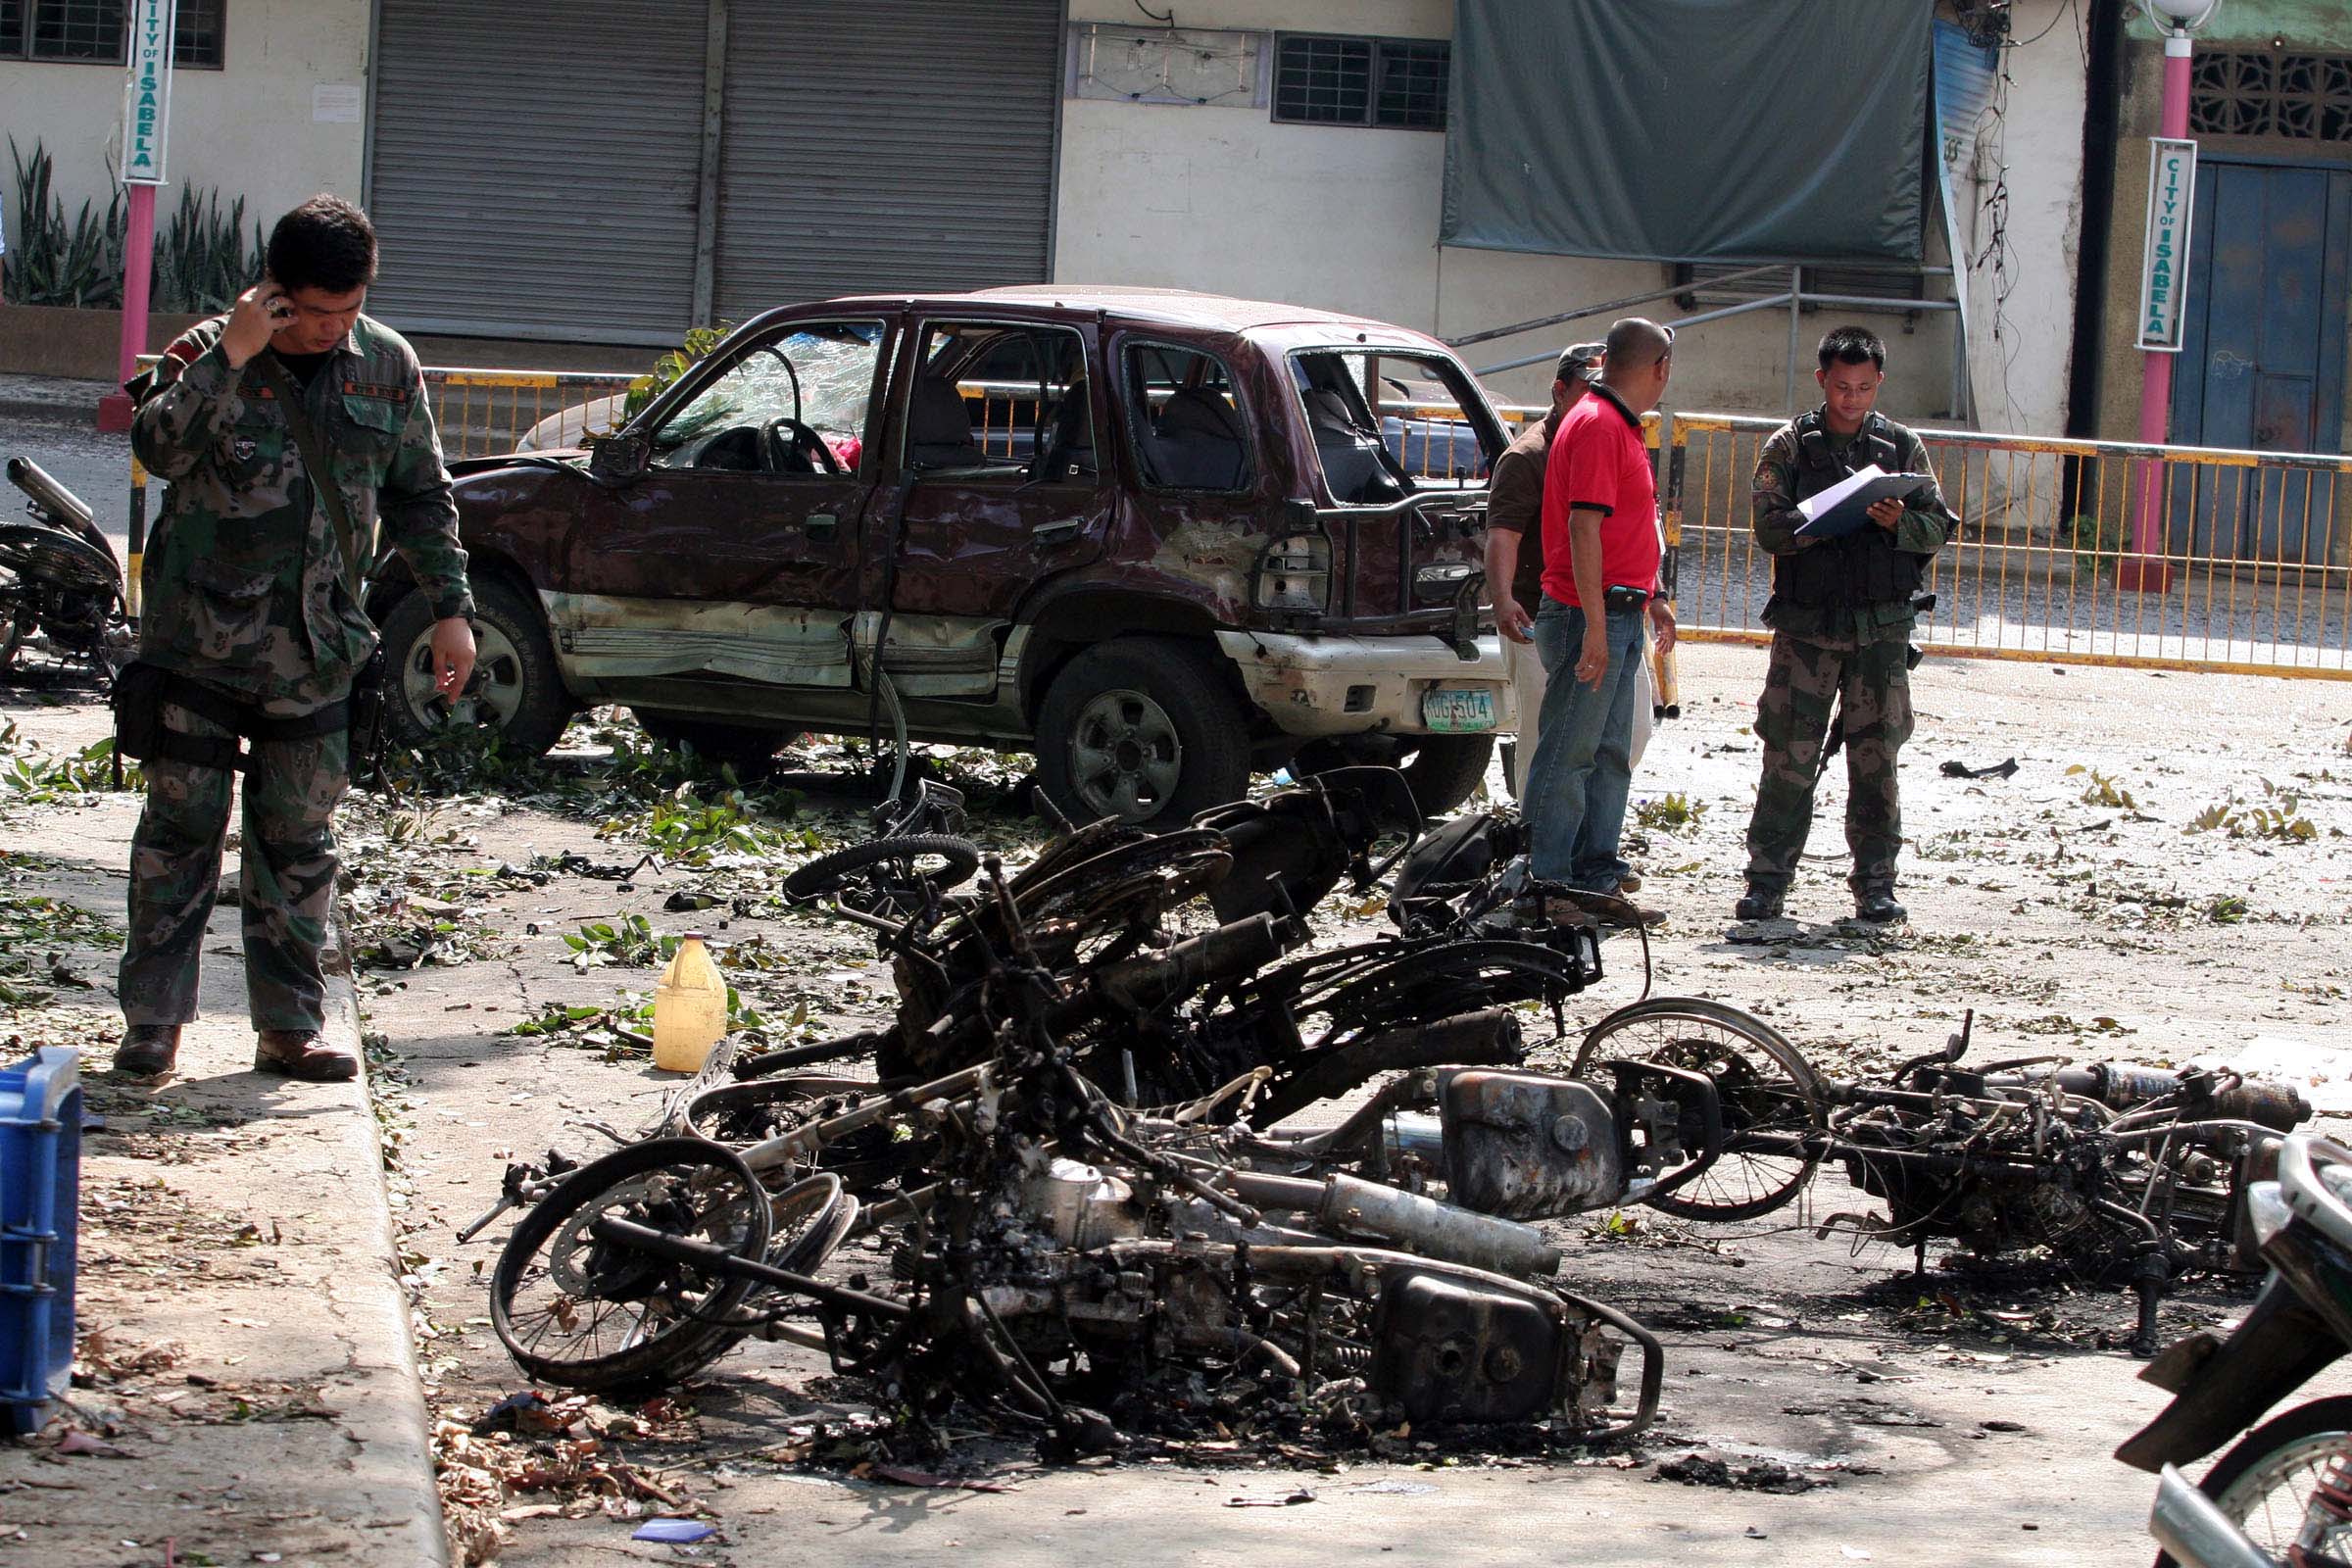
x: 533, y: 168
x: 885, y: 145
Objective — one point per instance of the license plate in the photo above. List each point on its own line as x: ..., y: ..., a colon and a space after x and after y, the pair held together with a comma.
x: 1453, y: 712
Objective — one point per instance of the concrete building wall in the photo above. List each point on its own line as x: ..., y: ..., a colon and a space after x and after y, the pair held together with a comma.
x: 2021, y: 202
x: 1224, y: 199
x: 245, y: 130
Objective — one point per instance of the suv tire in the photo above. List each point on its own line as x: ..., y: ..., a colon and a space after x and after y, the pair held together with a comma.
x: 1143, y: 729
x: 523, y: 693
x: 1442, y: 770
x: 1445, y: 771
x: 746, y: 748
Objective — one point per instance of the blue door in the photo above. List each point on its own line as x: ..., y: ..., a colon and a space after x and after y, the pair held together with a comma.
x: 2261, y: 357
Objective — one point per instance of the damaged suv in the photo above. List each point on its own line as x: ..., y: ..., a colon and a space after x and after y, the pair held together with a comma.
x: 1157, y: 538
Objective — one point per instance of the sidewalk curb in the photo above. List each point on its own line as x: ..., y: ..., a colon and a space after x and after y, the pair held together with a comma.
x: 395, y: 1421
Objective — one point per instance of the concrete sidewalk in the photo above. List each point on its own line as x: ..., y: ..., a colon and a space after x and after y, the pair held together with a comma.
x: 51, y: 397
x: 245, y: 1366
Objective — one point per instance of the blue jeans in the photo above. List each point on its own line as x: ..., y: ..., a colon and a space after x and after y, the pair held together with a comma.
x: 1583, y: 770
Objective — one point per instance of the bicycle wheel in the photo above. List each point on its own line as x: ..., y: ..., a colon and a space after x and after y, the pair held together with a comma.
x: 2265, y: 1481
x: 1766, y: 1087
x: 882, y: 877
x: 588, y: 1314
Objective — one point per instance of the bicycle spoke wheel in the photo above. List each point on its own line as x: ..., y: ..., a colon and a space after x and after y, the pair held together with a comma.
x: 575, y: 1310
x: 1767, y: 1090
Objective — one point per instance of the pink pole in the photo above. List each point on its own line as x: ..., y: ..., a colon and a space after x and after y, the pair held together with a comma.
x: 2144, y: 569
x: 138, y: 269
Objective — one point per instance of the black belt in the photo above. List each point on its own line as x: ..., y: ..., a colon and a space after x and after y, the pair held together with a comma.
x: 1620, y: 598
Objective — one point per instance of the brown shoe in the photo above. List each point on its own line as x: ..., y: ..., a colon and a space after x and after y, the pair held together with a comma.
x: 303, y: 1053
x: 147, y: 1051
x: 1629, y: 883
x: 1577, y: 906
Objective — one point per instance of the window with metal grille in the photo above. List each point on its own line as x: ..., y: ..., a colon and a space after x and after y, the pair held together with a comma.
x: 95, y: 32
x: 1394, y: 83
x: 2254, y: 92
x: 77, y: 29
x: 199, y: 34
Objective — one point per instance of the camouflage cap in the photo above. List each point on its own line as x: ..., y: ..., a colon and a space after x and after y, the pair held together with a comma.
x: 1578, y: 361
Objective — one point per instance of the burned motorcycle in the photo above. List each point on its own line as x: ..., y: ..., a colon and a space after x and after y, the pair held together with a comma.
x: 2101, y: 1164
x: 61, y: 587
x: 1038, y: 1238
x: 2283, y: 1492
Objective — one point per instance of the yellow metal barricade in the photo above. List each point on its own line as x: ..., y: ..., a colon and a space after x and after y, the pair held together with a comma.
x: 2250, y: 548
x: 482, y: 413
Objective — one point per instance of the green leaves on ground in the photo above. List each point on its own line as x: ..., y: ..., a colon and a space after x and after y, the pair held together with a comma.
x: 2104, y: 790
x: 2279, y: 818
x: 631, y: 944
x: 30, y: 775
x: 1671, y: 814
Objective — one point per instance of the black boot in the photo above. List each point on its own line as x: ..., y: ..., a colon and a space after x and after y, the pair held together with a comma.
x: 1758, y: 904
x: 147, y: 1050
x: 1877, y: 907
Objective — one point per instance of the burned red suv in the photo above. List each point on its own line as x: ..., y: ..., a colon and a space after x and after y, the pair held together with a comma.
x: 1157, y: 538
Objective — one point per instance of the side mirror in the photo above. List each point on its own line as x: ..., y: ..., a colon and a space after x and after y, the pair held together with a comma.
x: 618, y: 457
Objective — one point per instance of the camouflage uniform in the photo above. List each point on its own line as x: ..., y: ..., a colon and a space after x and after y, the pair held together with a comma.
x: 248, y: 591
x: 1852, y: 644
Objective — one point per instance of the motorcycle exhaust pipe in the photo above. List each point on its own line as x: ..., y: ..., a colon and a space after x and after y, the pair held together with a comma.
x: 2188, y: 1524
x: 1351, y: 1206
x: 66, y: 508
x: 1228, y: 953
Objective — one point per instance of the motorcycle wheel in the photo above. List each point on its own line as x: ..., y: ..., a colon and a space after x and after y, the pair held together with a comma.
x: 603, y: 1319
x: 2265, y: 1482
x: 1765, y: 1084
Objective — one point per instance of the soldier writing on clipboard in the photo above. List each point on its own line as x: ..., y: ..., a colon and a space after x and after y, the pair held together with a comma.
x: 1840, y: 614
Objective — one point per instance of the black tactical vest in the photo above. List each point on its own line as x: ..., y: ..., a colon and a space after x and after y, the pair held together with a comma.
x: 1864, y: 567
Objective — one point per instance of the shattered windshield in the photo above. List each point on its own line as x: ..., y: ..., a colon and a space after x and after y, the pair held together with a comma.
x: 821, y: 375
x: 1387, y: 423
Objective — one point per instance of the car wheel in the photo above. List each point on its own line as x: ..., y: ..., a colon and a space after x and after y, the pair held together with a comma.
x: 1442, y: 770
x: 1141, y: 730
x: 743, y: 747
x: 518, y: 692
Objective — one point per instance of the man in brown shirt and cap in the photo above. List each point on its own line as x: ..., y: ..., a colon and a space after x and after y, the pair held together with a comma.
x: 1515, y: 549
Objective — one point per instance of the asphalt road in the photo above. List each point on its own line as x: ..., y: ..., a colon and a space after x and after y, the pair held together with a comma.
x: 94, y: 467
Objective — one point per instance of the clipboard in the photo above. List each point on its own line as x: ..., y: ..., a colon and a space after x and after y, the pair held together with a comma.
x: 1844, y: 507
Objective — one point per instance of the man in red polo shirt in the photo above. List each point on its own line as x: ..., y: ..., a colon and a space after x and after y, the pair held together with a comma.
x: 1600, y: 575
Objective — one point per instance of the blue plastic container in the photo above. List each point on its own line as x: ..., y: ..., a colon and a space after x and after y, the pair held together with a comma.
x: 40, y: 1184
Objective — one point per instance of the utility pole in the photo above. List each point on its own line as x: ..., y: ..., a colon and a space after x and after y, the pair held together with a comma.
x: 146, y: 120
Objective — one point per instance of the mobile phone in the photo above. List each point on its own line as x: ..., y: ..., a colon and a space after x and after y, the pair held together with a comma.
x: 279, y: 308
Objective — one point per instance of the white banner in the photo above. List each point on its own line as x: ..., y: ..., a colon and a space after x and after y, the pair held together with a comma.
x: 2164, y: 265
x: 147, y: 99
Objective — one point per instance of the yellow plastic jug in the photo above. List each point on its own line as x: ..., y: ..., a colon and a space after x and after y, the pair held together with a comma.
x: 690, y: 1007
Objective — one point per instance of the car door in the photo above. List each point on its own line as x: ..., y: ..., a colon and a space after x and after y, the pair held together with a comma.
x: 734, y: 555
x: 997, y: 446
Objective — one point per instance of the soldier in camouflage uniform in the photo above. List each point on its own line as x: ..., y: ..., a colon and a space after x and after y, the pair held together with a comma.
x: 252, y: 597
x: 1840, y: 614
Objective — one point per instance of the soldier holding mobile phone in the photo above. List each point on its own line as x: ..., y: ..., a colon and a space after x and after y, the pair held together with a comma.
x: 292, y: 432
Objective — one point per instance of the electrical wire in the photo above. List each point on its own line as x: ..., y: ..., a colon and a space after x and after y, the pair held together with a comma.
x: 2014, y: 43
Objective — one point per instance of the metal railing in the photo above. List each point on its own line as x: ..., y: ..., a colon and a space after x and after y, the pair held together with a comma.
x: 482, y: 413
x: 2251, y: 542
x: 2257, y: 546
